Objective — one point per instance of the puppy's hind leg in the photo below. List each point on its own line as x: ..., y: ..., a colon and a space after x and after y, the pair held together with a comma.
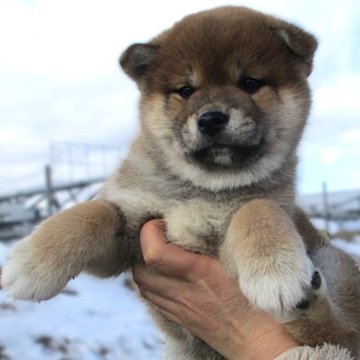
x: 80, y: 238
x: 330, y: 311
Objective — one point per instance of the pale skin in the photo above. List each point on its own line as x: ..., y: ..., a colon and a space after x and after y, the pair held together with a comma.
x: 195, y: 292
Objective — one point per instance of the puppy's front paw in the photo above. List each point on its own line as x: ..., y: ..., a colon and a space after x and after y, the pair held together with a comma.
x: 277, y: 288
x: 32, y: 272
x: 269, y: 257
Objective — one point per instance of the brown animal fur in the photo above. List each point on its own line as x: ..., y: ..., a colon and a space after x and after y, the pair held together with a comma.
x: 228, y: 194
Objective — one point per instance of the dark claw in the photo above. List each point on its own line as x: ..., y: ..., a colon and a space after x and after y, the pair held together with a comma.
x: 316, y: 280
x: 315, y: 284
x: 303, y: 304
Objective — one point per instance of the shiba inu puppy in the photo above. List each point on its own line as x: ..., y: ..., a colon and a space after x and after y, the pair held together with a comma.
x: 224, y: 101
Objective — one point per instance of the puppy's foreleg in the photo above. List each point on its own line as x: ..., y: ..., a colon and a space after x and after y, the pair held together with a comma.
x: 268, y: 256
x: 81, y: 238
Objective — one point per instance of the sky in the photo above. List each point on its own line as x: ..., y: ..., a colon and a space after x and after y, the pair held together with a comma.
x: 60, y: 81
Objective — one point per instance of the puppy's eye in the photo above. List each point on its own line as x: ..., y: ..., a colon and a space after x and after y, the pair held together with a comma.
x: 251, y: 85
x: 186, y: 91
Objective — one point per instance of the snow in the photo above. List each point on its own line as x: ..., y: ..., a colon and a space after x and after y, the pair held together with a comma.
x: 352, y: 248
x: 93, y: 319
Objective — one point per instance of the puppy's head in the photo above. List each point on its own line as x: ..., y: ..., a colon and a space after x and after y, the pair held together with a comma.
x: 224, y: 94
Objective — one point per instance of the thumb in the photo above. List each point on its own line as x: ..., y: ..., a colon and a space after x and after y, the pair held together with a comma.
x: 164, y: 257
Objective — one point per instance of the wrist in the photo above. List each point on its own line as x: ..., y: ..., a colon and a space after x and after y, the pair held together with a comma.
x: 257, y: 338
x: 269, y: 345
x: 266, y: 340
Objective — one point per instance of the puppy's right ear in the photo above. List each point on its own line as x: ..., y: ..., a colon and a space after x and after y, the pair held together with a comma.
x: 136, y: 60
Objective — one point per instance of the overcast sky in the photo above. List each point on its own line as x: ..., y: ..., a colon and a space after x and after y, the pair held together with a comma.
x: 60, y: 80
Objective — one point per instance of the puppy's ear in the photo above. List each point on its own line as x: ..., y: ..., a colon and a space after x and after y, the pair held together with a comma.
x: 298, y: 41
x: 137, y: 58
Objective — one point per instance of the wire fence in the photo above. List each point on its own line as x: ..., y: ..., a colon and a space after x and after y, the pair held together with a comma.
x: 22, y: 168
x: 77, y: 167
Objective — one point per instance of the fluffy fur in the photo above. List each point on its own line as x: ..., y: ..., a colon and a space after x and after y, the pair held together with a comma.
x: 326, y: 352
x: 224, y: 101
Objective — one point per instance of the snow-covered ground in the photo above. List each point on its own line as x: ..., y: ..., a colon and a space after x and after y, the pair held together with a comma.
x: 92, y: 320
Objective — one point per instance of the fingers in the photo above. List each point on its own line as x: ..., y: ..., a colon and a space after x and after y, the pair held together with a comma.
x: 149, y: 280
x: 161, y: 291
x: 176, y: 300
x: 174, y: 262
x: 160, y: 303
x: 163, y: 306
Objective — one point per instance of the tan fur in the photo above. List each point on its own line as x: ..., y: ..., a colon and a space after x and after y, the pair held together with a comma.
x: 81, y: 238
x: 228, y: 194
x: 262, y: 230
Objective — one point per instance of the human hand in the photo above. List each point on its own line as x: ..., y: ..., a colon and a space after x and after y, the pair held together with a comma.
x: 195, y: 292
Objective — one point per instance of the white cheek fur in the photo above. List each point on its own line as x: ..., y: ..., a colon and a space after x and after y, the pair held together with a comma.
x: 173, y: 153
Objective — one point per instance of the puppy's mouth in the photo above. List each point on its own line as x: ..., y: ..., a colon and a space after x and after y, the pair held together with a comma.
x: 228, y: 156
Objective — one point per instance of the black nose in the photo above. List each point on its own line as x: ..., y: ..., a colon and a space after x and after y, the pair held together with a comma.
x: 212, y: 122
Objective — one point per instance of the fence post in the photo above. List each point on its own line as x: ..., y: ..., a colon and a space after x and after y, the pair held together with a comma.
x: 48, y: 189
x: 326, y: 207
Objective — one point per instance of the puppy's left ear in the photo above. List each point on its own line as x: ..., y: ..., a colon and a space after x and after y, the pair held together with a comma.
x: 136, y: 60
x: 300, y: 42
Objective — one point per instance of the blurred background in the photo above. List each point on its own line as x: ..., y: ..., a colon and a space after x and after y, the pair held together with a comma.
x: 68, y: 115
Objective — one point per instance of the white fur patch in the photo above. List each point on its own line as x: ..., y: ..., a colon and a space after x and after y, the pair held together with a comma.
x: 190, y: 222
x: 278, y: 284
x: 26, y: 279
x: 290, y: 113
x: 277, y: 294
x: 132, y: 201
x: 323, y: 352
x: 219, y: 180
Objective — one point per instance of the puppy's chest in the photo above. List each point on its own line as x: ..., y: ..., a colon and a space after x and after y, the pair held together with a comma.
x: 199, y: 225
x: 193, y: 222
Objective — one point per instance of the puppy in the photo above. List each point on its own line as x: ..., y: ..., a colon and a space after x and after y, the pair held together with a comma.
x: 224, y: 101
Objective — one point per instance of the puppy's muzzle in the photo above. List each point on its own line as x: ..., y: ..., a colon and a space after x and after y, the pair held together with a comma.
x: 212, y: 122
